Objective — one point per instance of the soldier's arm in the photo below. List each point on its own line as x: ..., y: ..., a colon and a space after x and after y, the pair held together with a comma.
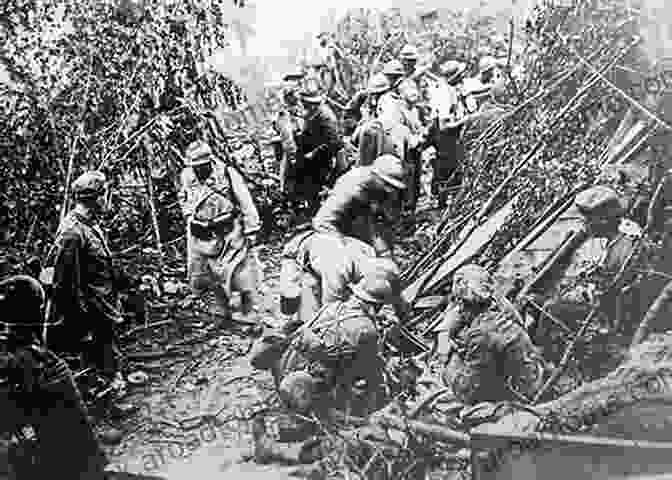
x: 251, y: 219
x: 334, y: 208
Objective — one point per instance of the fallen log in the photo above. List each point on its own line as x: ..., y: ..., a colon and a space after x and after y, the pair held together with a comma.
x: 434, y: 432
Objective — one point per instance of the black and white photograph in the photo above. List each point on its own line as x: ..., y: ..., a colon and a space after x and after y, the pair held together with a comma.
x: 335, y: 240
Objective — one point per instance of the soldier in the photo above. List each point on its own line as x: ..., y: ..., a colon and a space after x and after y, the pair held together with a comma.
x: 449, y: 117
x: 316, y: 269
x: 358, y: 198
x: 222, y: 226
x: 287, y: 124
x: 37, y: 389
x: 85, y: 283
x: 409, y: 59
x: 486, y: 352
x: 334, y: 360
x: 319, y: 142
x: 370, y: 136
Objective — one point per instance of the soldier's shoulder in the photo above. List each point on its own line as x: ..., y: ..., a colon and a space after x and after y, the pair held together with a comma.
x: 71, y: 226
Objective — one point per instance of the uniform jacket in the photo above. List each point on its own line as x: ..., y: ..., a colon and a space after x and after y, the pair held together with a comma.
x: 320, y: 129
x: 495, y: 353
x: 85, y: 280
x: 352, y: 207
x: 333, y: 260
x: 223, y: 193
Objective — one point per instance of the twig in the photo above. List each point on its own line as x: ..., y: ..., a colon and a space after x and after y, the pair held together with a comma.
x: 146, y: 327
x: 151, y: 198
x: 600, y: 74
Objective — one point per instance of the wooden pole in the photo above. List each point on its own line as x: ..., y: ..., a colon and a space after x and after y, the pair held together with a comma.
x: 152, y: 205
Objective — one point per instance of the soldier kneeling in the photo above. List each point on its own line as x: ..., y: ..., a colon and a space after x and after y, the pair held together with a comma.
x: 487, y: 354
x: 37, y: 390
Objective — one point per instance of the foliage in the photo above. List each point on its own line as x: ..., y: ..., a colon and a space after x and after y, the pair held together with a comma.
x: 112, y: 84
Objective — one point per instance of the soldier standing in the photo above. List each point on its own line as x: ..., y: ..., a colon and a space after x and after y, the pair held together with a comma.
x: 486, y: 352
x: 358, y: 198
x: 369, y: 135
x: 86, y: 284
x: 37, y: 389
x: 319, y: 142
x: 222, y: 226
x: 287, y: 125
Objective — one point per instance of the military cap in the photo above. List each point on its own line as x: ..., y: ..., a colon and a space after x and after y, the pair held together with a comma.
x: 311, y: 94
x: 198, y: 153
x: 452, y: 68
x: 380, y: 281
x: 394, y: 67
x: 294, y: 75
x: 409, y: 52
x: 378, y: 84
x: 472, y: 283
x: 297, y: 390
x: 89, y: 184
x: 600, y: 201
x: 18, y: 293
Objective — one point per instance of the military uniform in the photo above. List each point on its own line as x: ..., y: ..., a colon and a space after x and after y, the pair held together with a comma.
x: 221, y: 217
x: 317, y: 269
x: 320, y: 139
x: 354, y: 203
x: 494, y: 360
x: 338, y: 351
x: 485, y: 352
x: 86, y: 285
x: 37, y: 389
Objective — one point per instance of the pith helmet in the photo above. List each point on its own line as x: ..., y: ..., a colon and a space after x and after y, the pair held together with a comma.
x: 472, y: 283
x: 600, y: 202
x: 198, y: 153
x: 18, y: 293
x: 394, y: 67
x: 297, y: 391
x: 380, y: 282
x: 390, y: 169
x: 90, y: 184
x: 378, y: 84
x: 452, y: 68
x: 409, y: 52
x: 311, y: 94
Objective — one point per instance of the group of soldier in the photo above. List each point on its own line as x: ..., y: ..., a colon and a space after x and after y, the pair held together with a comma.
x: 337, y: 273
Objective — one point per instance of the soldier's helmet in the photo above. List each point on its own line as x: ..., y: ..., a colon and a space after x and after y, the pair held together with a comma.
x: 473, y: 283
x: 390, y: 169
x: 21, y: 298
x: 90, y: 184
x: 311, y: 94
x: 198, y: 153
x: 394, y: 67
x: 297, y: 391
x: 600, y: 202
x: 488, y: 63
x: 378, y: 83
x: 409, y: 53
x: 379, y: 283
x: 452, y: 69
x: 294, y: 75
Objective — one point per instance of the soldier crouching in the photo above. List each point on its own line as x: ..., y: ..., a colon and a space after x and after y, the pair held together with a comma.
x: 37, y: 389
x: 486, y: 352
x: 334, y: 361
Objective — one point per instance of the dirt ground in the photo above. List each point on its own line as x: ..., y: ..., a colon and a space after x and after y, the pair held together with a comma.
x: 164, y: 434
